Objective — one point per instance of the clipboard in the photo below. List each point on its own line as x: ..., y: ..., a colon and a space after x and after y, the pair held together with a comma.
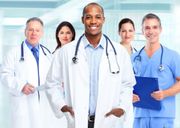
x: 143, y: 88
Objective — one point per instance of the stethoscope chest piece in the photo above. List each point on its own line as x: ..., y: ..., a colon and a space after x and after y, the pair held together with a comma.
x: 21, y: 59
x: 75, y: 60
x: 161, y: 68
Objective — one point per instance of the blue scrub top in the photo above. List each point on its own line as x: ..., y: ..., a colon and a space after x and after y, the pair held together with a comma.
x: 149, y: 67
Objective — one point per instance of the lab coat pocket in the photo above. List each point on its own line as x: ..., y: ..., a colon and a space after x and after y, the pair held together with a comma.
x: 111, y: 122
x: 21, y: 72
x: 70, y: 120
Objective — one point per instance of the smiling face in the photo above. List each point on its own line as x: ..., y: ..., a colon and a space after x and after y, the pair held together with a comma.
x: 34, y: 32
x: 151, y: 29
x: 93, y: 20
x: 65, y: 35
x: 127, y: 33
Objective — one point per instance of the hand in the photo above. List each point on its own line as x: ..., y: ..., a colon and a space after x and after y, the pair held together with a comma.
x: 118, y: 112
x: 67, y: 109
x: 135, y: 98
x: 158, y: 95
x: 28, y: 89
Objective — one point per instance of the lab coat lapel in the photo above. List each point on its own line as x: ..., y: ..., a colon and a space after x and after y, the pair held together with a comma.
x: 106, y: 86
x: 79, y: 86
x: 44, y: 63
x: 31, y: 66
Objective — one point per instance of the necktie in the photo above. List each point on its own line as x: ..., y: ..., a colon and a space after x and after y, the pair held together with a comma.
x: 34, y: 51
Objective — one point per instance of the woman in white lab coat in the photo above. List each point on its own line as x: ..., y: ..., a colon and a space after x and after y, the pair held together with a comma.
x: 19, y: 73
x: 127, y: 32
x: 116, y: 79
x: 65, y: 33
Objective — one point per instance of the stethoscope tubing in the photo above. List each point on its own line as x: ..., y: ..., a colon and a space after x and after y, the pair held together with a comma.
x: 74, y: 59
x: 22, y: 51
x: 138, y: 57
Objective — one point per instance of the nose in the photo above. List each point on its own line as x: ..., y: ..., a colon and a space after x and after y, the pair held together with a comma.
x: 93, y: 20
x: 34, y: 31
x: 64, y: 34
x: 127, y: 34
x: 150, y: 30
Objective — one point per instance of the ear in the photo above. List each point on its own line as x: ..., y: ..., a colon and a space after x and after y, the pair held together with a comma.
x: 82, y: 19
x: 42, y: 32
x: 25, y: 32
x: 103, y: 20
x: 118, y: 32
x: 160, y: 29
x: 142, y: 31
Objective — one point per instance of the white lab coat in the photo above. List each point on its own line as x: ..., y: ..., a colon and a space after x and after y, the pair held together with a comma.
x: 128, y: 123
x: 26, y: 110
x: 114, y: 91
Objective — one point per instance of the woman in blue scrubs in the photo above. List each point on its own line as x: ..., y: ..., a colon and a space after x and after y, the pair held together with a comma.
x: 155, y: 60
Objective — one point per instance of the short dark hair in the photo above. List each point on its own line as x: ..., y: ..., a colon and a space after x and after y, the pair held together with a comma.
x: 62, y: 24
x: 126, y: 20
x: 35, y: 19
x: 151, y: 16
x: 93, y: 3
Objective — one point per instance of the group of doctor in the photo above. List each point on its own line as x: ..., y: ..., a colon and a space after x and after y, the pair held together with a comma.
x: 90, y: 80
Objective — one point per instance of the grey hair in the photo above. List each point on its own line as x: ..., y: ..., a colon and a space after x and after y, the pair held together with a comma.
x: 35, y: 19
x: 151, y: 16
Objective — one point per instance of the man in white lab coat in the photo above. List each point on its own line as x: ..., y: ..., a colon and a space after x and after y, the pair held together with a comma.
x: 96, y: 90
x: 23, y: 72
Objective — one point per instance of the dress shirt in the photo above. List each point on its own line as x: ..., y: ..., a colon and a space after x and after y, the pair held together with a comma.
x: 93, y: 58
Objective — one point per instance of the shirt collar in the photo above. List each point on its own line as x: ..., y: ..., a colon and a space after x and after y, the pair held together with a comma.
x: 101, y: 42
x: 30, y: 46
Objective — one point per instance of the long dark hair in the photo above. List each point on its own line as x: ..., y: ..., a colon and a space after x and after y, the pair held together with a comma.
x: 62, y: 24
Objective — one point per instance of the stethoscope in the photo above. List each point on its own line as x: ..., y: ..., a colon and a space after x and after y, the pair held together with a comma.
x: 75, y: 59
x: 134, y: 49
x: 22, y: 51
x: 138, y: 58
